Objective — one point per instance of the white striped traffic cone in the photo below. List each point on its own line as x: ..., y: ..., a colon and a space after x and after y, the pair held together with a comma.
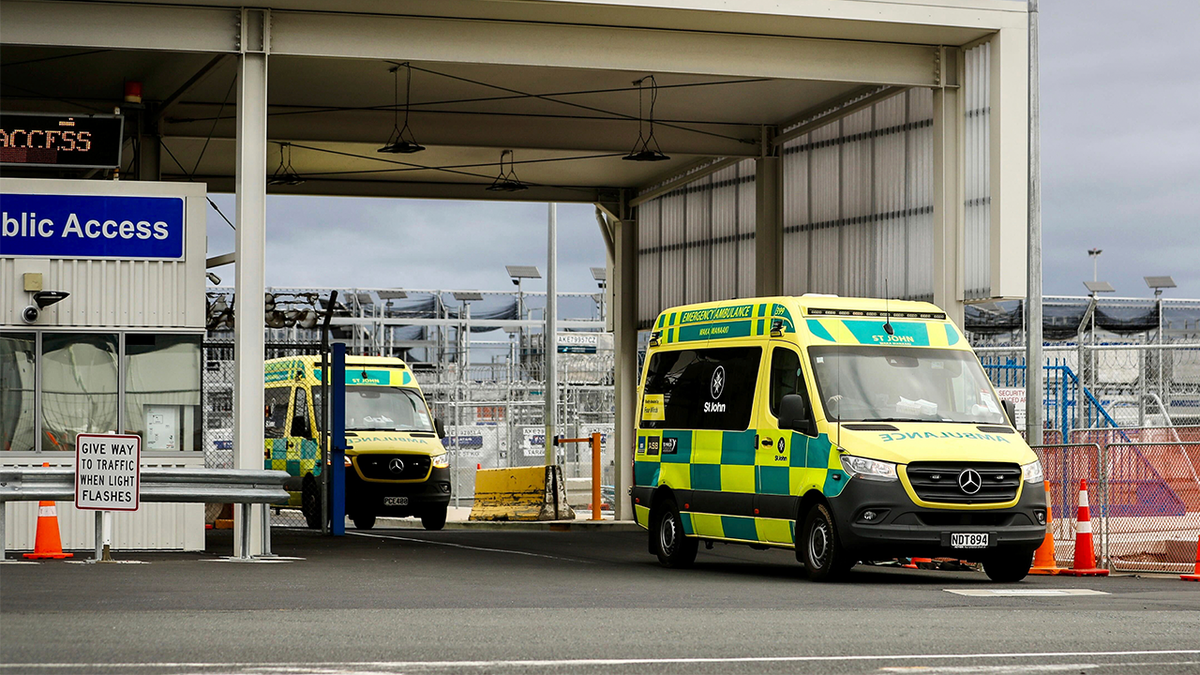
x: 1085, y: 553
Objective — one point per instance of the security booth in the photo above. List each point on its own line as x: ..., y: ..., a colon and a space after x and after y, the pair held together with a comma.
x: 101, y: 323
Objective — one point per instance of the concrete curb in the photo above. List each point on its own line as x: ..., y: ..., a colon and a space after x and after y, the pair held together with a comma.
x: 517, y: 525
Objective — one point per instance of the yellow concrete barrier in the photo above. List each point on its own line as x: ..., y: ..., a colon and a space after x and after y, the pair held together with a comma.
x: 524, y: 493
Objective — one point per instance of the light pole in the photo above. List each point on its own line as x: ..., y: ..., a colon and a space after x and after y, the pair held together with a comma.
x: 519, y: 272
x: 1089, y: 317
x: 600, y: 274
x: 1094, y: 254
x: 1158, y: 284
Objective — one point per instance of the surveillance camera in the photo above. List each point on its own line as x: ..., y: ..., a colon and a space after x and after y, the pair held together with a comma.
x: 30, y: 314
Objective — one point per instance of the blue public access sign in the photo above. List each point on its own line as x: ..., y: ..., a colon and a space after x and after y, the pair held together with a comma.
x: 86, y: 226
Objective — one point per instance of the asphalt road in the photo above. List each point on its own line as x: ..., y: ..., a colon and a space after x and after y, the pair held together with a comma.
x: 404, y: 601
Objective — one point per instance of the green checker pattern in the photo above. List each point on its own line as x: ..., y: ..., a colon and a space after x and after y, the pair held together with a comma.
x: 730, y: 461
x: 300, y: 459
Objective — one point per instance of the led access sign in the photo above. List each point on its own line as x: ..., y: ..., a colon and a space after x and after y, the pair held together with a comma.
x: 71, y: 141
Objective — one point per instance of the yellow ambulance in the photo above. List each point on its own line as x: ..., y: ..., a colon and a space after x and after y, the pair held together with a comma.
x: 848, y: 429
x: 395, y: 465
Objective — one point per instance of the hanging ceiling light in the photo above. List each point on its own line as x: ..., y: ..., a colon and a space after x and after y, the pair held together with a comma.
x: 646, y: 149
x: 285, y: 174
x: 507, y: 181
x: 401, y: 141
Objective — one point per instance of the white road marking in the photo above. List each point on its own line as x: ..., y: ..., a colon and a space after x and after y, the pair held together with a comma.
x: 332, y: 666
x: 1033, y: 668
x: 1022, y: 592
x: 464, y: 546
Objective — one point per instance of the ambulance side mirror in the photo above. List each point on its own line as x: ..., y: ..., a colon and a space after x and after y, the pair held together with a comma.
x: 794, y: 414
x: 439, y: 427
x: 1010, y: 411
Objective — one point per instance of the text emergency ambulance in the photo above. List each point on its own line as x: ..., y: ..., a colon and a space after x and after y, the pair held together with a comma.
x: 848, y: 429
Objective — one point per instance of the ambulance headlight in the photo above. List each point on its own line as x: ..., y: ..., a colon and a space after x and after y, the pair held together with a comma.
x: 1032, y: 472
x: 441, y: 461
x: 868, y: 469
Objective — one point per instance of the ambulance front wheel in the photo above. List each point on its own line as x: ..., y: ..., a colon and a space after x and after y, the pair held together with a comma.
x: 1008, y: 567
x: 434, y: 517
x: 673, y: 547
x: 819, y: 548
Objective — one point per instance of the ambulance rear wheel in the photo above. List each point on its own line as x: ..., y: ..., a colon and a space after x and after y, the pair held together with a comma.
x: 819, y: 548
x: 1008, y: 567
x: 673, y: 547
x: 310, y: 502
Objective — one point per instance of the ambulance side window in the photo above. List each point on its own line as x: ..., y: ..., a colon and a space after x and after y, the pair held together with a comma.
x: 786, y: 377
x: 276, y: 409
x: 300, y: 424
x: 702, y: 388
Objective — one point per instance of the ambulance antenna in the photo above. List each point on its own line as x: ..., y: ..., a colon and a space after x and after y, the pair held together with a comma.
x: 887, y: 324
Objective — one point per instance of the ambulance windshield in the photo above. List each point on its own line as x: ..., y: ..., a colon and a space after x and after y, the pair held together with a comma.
x: 370, y: 408
x: 903, y: 384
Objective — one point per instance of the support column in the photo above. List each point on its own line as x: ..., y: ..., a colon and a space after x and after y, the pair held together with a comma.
x: 948, y: 208
x: 251, y: 242
x: 768, y: 225
x: 624, y: 313
x: 149, y: 162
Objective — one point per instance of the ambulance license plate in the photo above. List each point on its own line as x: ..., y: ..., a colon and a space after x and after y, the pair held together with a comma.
x: 969, y: 540
x: 403, y: 501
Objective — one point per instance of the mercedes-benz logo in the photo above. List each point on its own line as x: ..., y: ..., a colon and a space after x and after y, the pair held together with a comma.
x: 717, y: 386
x: 397, y: 466
x: 969, y: 481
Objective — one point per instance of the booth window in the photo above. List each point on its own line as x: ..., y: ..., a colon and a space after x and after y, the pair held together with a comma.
x: 79, y: 387
x: 162, y: 390
x: 17, y: 383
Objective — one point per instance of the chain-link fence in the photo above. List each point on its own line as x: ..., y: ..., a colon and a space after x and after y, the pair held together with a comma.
x: 493, y: 418
x: 1107, y: 385
x: 1144, y: 497
x: 292, y: 420
x: 491, y: 426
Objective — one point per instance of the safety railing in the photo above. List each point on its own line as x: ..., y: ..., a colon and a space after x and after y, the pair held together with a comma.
x: 1145, y: 500
x: 233, y: 486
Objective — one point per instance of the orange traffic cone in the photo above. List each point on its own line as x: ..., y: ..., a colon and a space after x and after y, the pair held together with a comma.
x: 1044, y: 561
x: 1085, y: 553
x: 1194, y: 576
x: 47, y: 544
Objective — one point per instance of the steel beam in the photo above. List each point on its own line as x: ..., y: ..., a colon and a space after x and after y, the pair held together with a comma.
x: 625, y: 339
x: 1009, y: 157
x: 768, y: 225
x: 949, y: 214
x: 251, y: 244
x: 119, y: 26
x: 600, y: 47
x: 417, y: 190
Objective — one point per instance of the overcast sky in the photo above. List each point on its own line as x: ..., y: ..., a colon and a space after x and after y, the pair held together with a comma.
x: 1120, y: 172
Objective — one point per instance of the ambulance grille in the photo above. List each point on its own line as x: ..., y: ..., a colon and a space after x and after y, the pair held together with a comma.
x: 939, y: 482
x: 379, y: 467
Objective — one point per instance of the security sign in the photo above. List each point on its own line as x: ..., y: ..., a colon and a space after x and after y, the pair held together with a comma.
x: 107, y: 472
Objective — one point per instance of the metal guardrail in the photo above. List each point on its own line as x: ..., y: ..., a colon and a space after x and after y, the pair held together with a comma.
x: 234, y: 486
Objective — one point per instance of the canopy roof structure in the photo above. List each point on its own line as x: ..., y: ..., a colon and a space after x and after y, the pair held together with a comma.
x: 541, y: 95
x: 554, y: 82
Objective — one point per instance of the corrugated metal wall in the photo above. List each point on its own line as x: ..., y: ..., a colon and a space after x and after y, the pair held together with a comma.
x: 858, y: 203
x: 857, y: 210
x: 977, y: 171
x: 127, y: 293
x: 697, y: 243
